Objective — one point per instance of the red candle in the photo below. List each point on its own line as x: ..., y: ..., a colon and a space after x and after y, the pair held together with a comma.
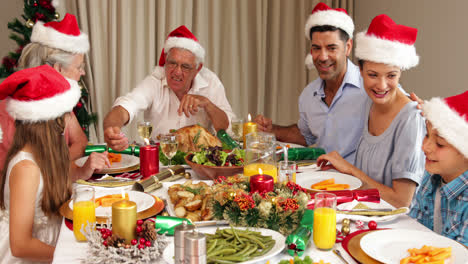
x: 149, y: 160
x: 261, y: 183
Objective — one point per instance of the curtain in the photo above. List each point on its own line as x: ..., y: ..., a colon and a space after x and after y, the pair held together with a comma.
x: 257, y: 48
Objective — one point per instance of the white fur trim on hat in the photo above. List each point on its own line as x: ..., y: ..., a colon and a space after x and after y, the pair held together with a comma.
x: 372, y: 48
x: 185, y: 43
x: 50, y: 37
x: 448, y: 123
x: 55, y: 3
x: 309, y: 61
x: 46, y: 109
x: 332, y: 18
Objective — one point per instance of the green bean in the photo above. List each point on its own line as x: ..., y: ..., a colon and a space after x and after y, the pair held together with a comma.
x: 212, y: 246
x: 225, y: 251
x: 235, y: 234
x: 254, y: 239
x: 213, y: 260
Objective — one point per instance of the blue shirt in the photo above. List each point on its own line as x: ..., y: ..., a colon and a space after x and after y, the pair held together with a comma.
x: 454, y: 205
x: 339, y: 126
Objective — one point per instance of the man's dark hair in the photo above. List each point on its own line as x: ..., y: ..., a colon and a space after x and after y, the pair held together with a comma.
x: 343, y: 35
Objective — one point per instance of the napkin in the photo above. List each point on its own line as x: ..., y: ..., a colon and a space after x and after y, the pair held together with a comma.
x: 344, y: 211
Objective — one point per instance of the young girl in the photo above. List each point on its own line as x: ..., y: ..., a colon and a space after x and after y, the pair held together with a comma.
x: 388, y: 155
x: 441, y: 203
x: 36, y: 180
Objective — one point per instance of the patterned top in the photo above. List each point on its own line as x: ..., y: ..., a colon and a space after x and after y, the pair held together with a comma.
x: 454, y: 205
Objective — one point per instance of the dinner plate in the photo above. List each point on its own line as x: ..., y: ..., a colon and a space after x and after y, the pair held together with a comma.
x: 390, y: 246
x: 367, y: 218
x: 308, y: 178
x: 128, y: 163
x: 142, y: 200
x: 168, y: 254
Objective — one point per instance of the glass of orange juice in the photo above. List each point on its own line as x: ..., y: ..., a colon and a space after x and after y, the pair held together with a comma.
x: 84, y: 210
x: 325, y: 220
x: 286, y: 171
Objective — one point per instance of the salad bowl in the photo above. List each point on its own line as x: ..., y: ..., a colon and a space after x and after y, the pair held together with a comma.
x: 207, y: 172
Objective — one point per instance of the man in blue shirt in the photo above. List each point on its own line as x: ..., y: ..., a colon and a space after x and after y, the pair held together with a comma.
x: 331, y: 107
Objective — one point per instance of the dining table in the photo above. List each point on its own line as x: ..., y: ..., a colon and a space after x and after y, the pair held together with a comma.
x: 68, y: 250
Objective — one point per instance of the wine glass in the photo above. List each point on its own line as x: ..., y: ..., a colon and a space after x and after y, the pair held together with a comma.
x: 168, y: 144
x: 144, y: 130
x: 237, y: 128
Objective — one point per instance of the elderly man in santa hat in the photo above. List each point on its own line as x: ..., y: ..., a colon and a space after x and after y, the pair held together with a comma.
x: 178, y: 93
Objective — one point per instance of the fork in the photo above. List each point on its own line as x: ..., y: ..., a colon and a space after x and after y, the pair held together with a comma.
x: 338, y: 253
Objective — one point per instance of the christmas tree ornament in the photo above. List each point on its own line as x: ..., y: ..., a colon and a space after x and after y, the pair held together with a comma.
x: 372, y: 225
x: 56, y: 15
x: 346, y: 222
x: 345, y: 230
x: 297, y: 241
x: 29, y: 23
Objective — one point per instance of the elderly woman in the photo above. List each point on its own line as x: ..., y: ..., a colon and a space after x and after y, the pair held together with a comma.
x: 389, y: 155
x: 62, y: 46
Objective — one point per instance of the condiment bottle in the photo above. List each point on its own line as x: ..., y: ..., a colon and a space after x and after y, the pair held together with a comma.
x: 195, y: 248
x: 179, y: 243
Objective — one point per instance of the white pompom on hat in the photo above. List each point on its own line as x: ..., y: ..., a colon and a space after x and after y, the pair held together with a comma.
x: 39, y: 94
x: 64, y: 35
x: 180, y: 37
x: 389, y: 43
x: 449, y: 117
x: 323, y: 15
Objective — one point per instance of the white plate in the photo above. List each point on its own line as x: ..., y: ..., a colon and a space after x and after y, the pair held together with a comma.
x: 307, y: 178
x: 390, y: 246
x: 142, y: 200
x: 168, y: 254
x: 381, y: 205
x: 127, y: 161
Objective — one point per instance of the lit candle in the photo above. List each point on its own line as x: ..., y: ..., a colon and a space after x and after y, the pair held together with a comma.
x: 124, y: 219
x: 149, y: 160
x: 248, y: 127
x: 267, y: 169
x: 261, y: 183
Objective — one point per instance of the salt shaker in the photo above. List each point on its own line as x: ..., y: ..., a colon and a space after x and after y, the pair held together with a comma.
x: 179, y: 243
x: 195, y: 248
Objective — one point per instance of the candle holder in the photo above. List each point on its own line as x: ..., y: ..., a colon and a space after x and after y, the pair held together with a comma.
x: 124, y: 219
x: 149, y: 160
x: 261, y: 183
x: 260, y: 154
x: 248, y: 127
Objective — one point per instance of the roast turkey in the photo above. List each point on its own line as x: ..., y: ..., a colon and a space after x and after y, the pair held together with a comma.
x: 194, y: 138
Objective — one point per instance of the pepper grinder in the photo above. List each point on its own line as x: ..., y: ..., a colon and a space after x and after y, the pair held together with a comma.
x: 195, y: 248
x: 179, y: 243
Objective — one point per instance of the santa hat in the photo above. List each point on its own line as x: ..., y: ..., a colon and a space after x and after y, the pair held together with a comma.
x: 39, y: 94
x: 183, y: 38
x: 389, y: 43
x: 64, y: 35
x: 324, y: 15
x: 450, y: 117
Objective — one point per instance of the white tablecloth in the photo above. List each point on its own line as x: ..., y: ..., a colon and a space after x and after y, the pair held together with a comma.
x: 69, y: 251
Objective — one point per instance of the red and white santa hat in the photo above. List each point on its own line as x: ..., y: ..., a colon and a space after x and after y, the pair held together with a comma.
x: 389, y: 43
x: 64, y: 35
x: 449, y: 117
x: 39, y: 94
x: 324, y: 15
x: 180, y: 37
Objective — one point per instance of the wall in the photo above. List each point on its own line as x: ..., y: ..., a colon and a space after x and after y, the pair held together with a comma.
x: 441, y: 44
x: 8, y: 12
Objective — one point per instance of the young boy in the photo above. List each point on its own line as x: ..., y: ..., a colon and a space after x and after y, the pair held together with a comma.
x: 441, y: 203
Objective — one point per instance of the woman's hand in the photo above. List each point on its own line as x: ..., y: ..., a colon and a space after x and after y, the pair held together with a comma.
x: 336, y: 162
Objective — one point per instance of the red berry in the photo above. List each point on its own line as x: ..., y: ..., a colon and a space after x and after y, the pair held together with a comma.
x: 141, y: 246
x: 103, y: 231
x: 148, y: 243
x: 142, y: 241
x: 104, y: 236
x: 109, y: 232
x: 134, y: 242
x: 105, y: 243
x: 140, y: 222
x: 372, y: 225
x: 139, y: 229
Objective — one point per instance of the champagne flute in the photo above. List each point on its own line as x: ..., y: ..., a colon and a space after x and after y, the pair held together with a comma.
x: 144, y: 130
x: 237, y: 129
x: 168, y: 144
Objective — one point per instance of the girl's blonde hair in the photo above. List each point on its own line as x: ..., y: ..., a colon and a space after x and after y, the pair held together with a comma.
x: 50, y: 152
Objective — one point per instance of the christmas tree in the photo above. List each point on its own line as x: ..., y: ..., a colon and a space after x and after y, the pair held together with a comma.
x: 43, y: 10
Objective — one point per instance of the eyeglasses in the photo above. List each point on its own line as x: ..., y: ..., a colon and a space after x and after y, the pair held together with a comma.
x: 184, y: 66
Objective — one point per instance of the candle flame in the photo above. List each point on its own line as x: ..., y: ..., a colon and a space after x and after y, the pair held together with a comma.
x: 260, y: 171
x: 146, y: 141
x: 123, y: 194
x: 249, y: 118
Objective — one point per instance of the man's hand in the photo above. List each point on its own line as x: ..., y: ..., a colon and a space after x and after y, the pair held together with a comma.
x: 95, y: 163
x: 263, y: 123
x: 115, y: 139
x: 190, y: 103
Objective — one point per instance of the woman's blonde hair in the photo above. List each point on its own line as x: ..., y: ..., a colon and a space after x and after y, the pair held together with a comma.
x: 36, y: 54
x: 50, y: 152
